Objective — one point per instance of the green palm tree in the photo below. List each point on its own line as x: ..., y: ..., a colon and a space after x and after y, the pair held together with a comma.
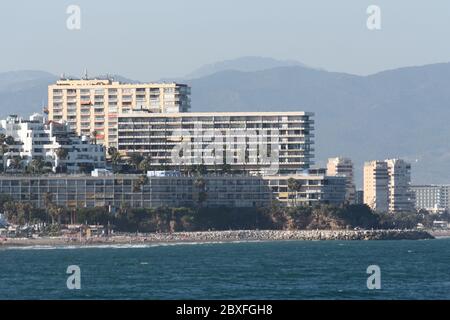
x: 3, y: 150
x: 94, y: 136
x: 200, y: 185
x: 293, y: 187
x: 10, y: 210
x: 16, y: 162
x: 135, y: 159
x: 36, y: 166
x: 55, y: 213
x: 48, y: 202
x: 115, y: 157
x: 137, y: 185
x: 112, y: 150
x: 146, y: 164
x: 10, y: 141
x: 2, y: 138
x: 62, y: 153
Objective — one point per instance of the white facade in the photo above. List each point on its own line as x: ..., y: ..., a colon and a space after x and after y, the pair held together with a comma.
x: 314, y: 187
x: 35, y: 138
x: 172, y: 189
x: 387, y: 185
x: 400, y: 195
x: 433, y: 198
x: 247, y: 141
x: 343, y: 167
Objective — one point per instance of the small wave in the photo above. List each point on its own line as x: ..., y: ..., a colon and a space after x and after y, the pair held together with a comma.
x: 121, y: 246
x: 34, y: 247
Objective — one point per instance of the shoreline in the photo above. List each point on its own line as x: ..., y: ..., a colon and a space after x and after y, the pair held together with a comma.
x: 221, y: 236
x: 438, y: 234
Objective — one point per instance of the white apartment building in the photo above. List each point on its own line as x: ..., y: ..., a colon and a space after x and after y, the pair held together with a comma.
x: 280, y: 142
x: 387, y: 185
x: 91, y: 106
x: 400, y: 194
x: 37, y: 138
x: 343, y: 167
x: 433, y: 198
x: 314, y: 187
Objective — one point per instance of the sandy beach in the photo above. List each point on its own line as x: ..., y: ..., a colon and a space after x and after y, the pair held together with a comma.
x: 440, y: 233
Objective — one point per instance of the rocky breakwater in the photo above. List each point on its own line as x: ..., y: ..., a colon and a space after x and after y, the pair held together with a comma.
x: 265, y: 235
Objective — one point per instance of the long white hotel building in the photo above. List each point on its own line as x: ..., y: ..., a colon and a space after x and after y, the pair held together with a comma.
x: 80, y: 191
x: 91, y: 106
x: 249, y: 141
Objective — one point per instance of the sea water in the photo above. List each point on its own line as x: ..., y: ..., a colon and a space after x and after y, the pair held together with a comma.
x: 243, y: 270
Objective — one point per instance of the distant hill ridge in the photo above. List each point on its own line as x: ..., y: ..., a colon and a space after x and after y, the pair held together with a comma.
x: 396, y: 113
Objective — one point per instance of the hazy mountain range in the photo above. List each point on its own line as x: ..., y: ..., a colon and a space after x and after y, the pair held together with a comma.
x: 246, y: 64
x: 397, y: 113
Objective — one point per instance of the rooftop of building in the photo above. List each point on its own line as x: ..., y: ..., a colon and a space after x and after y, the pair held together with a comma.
x: 151, y: 174
x: 429, y: 185
x: 138, y: 114
x: 111, y: 82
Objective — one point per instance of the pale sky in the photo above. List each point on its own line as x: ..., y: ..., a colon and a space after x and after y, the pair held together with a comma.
x: 149, y: 40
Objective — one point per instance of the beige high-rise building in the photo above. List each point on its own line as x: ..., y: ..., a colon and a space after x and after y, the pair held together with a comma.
x: 387, y: 185
x: 343, y: 167
x: 376, y: 181
x: 91, y: 106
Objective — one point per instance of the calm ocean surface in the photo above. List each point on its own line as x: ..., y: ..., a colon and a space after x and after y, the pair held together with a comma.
x: 255, y: 270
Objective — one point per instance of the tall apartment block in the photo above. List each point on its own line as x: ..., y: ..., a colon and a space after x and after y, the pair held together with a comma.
x: 387, y: 185
x: 400, y: 194
x: 343, y: 167
x: 91, y: 106
x: 376, y: 182
x: 247, y: 141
